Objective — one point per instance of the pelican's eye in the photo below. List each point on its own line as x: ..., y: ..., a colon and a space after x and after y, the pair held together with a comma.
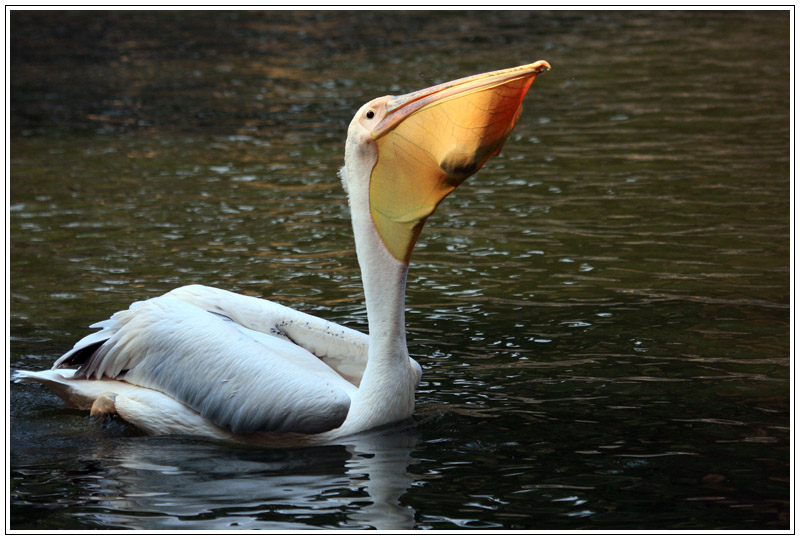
x: 370, y: 114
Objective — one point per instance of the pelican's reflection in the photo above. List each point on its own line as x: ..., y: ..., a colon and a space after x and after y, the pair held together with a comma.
x: 380, y: 463
x: 164, y: 483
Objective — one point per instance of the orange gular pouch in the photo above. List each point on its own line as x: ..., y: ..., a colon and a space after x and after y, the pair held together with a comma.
x: 432, y: 140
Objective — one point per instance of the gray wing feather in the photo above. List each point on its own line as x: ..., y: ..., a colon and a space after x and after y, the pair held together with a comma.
x: 206, y: 362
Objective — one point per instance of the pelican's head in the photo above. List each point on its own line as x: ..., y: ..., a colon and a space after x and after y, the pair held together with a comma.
x: 406, y: 153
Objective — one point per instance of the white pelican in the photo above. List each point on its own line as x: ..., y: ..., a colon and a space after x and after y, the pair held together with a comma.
x: 208, y: 362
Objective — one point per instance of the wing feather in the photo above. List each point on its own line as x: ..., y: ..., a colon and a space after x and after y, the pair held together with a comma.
x: 341, y: 348
x: 229, y: 376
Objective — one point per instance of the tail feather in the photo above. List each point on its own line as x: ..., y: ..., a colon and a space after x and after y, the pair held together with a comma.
x: 85, y: 348
x: 77, y: 357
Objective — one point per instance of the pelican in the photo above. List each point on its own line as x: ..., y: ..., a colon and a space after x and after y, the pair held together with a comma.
x: 212, y: 363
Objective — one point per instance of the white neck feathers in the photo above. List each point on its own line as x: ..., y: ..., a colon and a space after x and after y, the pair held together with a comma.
x: 386, y: 392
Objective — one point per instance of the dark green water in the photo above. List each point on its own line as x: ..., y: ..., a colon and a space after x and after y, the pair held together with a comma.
x: 602, y: 313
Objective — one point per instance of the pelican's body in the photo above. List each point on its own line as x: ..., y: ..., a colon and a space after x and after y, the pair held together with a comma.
x: 208, y: 362
x: 292, y: 378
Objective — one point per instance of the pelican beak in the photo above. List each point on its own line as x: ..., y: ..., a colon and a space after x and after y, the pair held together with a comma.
x: 431, y: 140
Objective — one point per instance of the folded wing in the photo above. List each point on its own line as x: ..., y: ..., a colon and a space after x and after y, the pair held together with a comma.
x: 238, y: 378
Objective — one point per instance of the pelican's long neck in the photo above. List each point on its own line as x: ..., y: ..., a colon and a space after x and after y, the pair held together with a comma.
x: 386, y: 392
x: 384, y: 279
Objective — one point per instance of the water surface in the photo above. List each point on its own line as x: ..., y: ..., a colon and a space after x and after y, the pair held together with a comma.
x: 602, y: 313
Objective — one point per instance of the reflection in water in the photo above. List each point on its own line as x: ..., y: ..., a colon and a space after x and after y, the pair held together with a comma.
x: 166, y: 483
x: 379, y: 463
